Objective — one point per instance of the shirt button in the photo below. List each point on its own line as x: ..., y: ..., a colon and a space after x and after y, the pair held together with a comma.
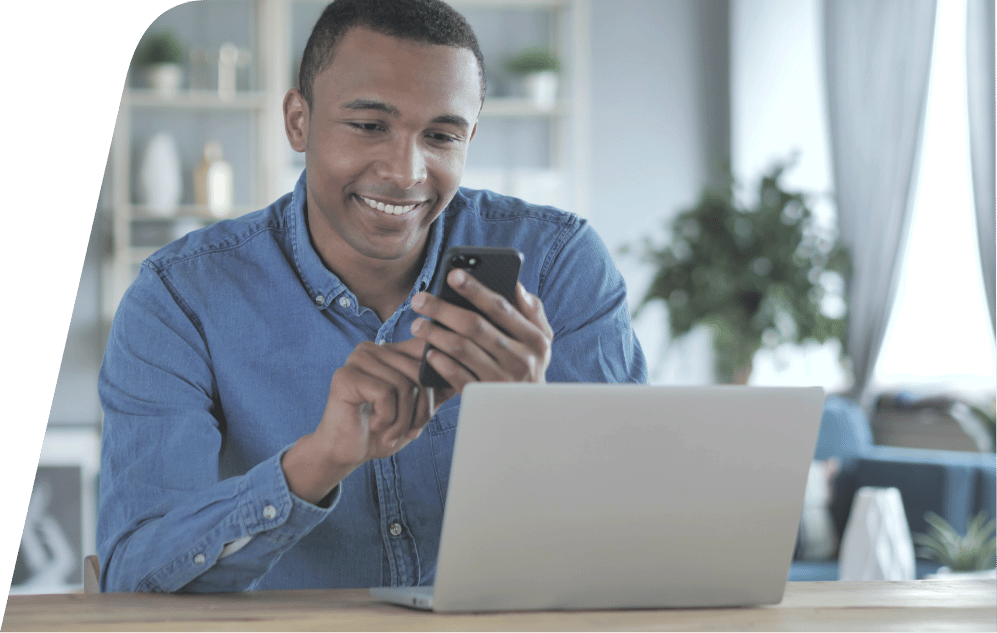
x: 395, y: 529
x: 199, y: 559
x: 269, y: 513
x: 320, y: 300
x: 345, y: 302
x: 380, y: 342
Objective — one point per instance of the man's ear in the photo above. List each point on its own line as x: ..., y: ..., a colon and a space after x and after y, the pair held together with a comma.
x: 296, y: 119
x: 473, y: 131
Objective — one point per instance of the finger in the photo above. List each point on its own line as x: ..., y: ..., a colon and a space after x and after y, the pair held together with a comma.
x: 393, y: 438
x: 425, y: 408
x: 510, y: 319
x: 414, y: 348
x: 454, y: 372
x: 470, y: 325
x: 494, y: 306
x: 487, y: 352
x: 392, y: 391
x: 467, y: 345
x: 533, y: 309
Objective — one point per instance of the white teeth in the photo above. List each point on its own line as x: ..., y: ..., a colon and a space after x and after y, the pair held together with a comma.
x: 388, y: 208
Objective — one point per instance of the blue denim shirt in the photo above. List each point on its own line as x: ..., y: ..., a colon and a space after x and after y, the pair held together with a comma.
x: 220, y: 357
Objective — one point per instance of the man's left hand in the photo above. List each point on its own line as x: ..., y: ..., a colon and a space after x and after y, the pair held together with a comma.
x: 510, y: 343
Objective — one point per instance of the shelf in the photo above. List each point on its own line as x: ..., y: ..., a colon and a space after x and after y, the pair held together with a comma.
x: 187, y: 212
x: 522, y: 108
x: 196, y: 99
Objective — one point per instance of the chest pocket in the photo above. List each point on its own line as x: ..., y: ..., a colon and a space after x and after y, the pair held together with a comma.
x: 442, y: 430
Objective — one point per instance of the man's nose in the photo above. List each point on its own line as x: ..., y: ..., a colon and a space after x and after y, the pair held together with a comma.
x: 403, y: 163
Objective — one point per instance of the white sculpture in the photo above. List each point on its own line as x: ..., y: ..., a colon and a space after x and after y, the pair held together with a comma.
x: 876, y: 544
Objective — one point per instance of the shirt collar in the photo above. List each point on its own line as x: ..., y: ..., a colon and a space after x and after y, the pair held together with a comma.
x: 321, y: 283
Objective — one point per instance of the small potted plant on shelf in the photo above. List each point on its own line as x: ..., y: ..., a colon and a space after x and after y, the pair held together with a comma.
x: 159, y: 56
x: 759, y: 275
x: 538, y: 69
x: 966, y: 553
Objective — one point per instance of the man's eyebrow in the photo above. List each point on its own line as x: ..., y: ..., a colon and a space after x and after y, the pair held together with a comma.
x: 370, y: 104
x: 453, y: 119
x: 380, y: 106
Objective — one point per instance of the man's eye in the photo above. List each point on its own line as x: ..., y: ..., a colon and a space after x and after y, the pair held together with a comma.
x: 443, y: 138
x: 366, y: 127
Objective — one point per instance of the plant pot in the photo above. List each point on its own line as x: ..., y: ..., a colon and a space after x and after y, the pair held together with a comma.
x: 164, y: 78
x: 541, y: 89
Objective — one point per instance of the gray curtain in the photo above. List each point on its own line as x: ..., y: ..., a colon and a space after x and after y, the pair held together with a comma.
x: 877, y: 60
x: 980, y: 87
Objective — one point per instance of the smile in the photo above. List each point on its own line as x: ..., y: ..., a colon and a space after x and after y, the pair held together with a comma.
x: 389, y: 208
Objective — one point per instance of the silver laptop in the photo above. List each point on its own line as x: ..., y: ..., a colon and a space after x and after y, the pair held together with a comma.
x: 593, y: 496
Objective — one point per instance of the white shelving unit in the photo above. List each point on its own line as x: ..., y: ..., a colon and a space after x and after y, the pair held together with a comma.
x: 568, y: 121
x: 136, y: 232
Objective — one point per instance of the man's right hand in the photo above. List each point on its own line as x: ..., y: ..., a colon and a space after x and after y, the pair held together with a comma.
x: 375, y: 407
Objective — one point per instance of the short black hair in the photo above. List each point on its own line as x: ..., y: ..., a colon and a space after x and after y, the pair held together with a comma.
x: 424, y: 21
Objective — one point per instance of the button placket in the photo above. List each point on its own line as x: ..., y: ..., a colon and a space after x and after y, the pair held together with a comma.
x: 400, y: 547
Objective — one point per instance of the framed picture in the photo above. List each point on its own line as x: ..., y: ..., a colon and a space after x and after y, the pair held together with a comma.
x: 60, y: 525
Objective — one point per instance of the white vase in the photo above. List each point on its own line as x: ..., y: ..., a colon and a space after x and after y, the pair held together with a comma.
x: 160, y: 179
x: 876, y: 544
x: 164, y: 78
x: 541, y: 89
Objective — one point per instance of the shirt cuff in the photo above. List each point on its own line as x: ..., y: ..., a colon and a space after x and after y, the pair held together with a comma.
x: 270, y: 506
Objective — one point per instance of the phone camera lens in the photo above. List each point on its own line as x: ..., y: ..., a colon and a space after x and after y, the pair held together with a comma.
x: 464, y: 261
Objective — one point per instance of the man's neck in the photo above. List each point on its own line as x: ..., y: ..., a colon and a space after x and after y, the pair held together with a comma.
x: 380, y: 285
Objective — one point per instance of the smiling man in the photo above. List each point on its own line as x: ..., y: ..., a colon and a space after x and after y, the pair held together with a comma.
x: 264, y: 424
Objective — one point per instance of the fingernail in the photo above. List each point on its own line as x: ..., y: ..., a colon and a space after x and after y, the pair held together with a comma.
x: 418, y: 300
x: 416, y: 325
x: 458, y: 277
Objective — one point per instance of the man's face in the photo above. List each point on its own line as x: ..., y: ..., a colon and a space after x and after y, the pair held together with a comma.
x: 385, y: 142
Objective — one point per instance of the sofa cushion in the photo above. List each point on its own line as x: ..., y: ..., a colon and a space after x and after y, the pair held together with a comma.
x: 844, y: 430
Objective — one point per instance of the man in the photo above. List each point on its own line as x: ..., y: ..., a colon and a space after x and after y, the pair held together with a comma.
x: 264, y: 424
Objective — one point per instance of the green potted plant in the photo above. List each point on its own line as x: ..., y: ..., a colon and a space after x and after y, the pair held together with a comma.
x: 159, y: 56
x: 758, y: 275
x: 969, y: 552
x: 538, y: 68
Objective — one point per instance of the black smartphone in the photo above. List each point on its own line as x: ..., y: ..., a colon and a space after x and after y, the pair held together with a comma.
x: 495, y: 267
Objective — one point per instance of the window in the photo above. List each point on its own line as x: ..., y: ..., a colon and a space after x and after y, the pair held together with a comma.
x: 939, y: 335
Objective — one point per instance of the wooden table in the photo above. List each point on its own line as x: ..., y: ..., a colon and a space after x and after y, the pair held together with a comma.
x: 928, y: 605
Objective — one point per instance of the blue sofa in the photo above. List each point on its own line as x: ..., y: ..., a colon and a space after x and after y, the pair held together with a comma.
x: 955, y: 485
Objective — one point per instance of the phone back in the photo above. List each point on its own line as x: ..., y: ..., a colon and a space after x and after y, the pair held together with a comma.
x: 495, y: 267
